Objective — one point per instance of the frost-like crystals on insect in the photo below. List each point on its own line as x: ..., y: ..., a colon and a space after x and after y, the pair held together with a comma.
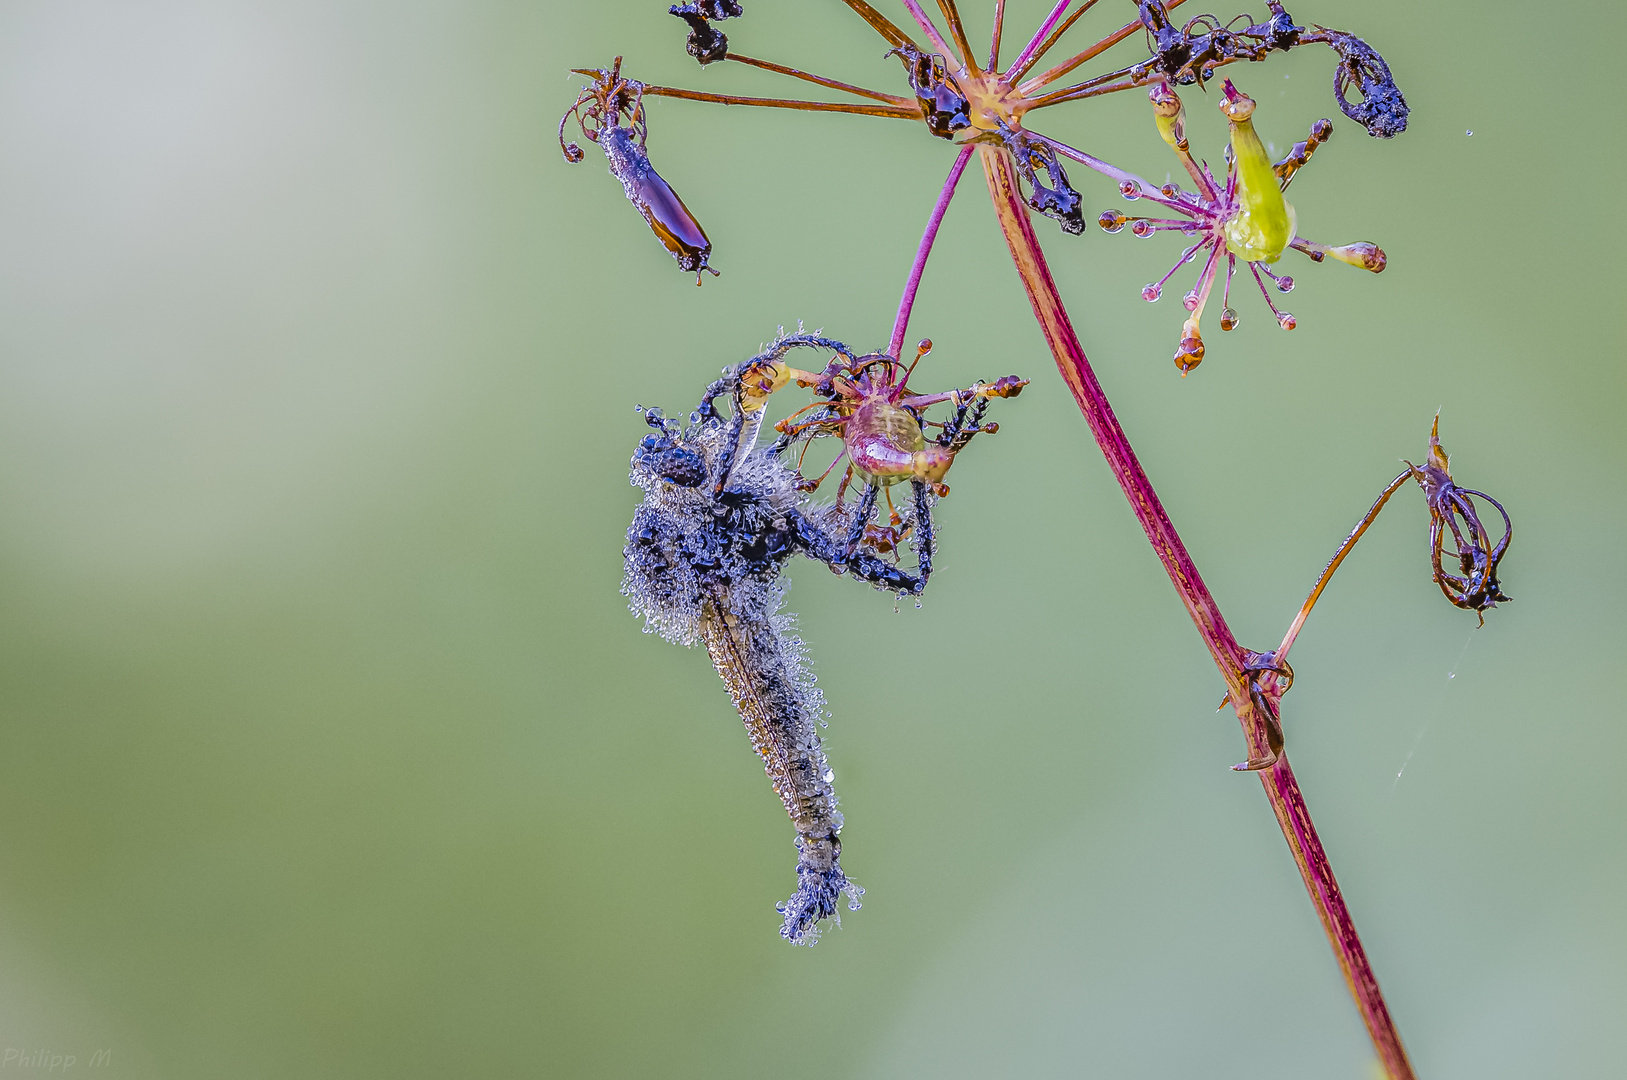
x: 721, y: 517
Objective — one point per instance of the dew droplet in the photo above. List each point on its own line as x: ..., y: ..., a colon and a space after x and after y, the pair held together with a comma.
x: 1151, y: 292
x: 1285, y: 284
x: 1130, y: 190
x: 1286, y: 320
x: 1171, y: 191
x: 1468, y: 132
x: 1191, y: 300
x: 1111, y: 221
x: 830, y: 774
x: 1228, y: 319
x: 1142, y: 229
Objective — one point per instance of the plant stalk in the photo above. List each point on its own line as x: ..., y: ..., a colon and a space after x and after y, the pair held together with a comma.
x: 1278, y: 780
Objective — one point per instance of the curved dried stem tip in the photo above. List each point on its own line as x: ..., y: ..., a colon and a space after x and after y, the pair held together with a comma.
x: 1382, y: 110
x: 1452, y: 510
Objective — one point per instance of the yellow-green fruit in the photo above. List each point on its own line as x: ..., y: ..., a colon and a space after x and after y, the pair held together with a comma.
x: 1264, y: 222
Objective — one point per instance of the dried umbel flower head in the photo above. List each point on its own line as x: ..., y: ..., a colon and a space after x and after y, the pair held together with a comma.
x: 720, y: 519
x: 958, y: 98
x: 1243, y: 219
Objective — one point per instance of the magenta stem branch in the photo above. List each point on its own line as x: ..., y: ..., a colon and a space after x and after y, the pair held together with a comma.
x: 1045, y: 28
x: 1093, y: 162
x: 929, y: 29
x: 901, y: 324
x: 1280, y: 786
x: 1333, y: 563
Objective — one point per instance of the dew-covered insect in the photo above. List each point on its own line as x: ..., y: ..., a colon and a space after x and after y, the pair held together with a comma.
x: 720, y: 519
x: 599, y: 110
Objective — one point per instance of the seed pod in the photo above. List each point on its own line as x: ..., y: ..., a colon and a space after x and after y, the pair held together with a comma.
x: 654, y: 198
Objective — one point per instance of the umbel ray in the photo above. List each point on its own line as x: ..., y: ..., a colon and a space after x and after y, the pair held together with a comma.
x: 721, y: 517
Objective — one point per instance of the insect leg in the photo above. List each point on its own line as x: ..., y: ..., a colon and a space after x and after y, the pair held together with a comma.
x: 923, y: 532
x: 861, y: 518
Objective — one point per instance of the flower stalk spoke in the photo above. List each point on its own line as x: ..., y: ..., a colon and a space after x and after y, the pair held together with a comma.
x: 994, y: 38
x: 930, y: 29
x: 1087, y: 55
x: 781, y: 69
x: 957, y: 30
x: 1016, y: 73
x: 880, y: 23
x: 897, y: 112
x: 907, y: 301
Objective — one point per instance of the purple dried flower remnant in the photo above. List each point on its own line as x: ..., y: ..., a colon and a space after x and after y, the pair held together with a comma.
x: 1245, y: 218
x: 943, y: 107
x: 706, y: 43
x: 1382, y: 110
x: 1452, y: 510
x: 1190, y: 54
x: 1059, y: 201
x: 599, y: 110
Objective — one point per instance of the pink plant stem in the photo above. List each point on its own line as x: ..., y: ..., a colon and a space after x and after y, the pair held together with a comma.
x: 929, y: 29
x: 1280, y: 786
x: 1045, y: 29
x: 901, y: 324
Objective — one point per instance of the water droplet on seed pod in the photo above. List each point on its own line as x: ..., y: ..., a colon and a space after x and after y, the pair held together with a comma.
x: 1228, y: 319
x: 1286, y: 320
x: 1152, y: 292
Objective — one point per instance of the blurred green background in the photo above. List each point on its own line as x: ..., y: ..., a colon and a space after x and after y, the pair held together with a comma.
x: 328, y: 748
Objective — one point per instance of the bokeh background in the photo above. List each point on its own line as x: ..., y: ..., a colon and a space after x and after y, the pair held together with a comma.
x: 329, y: 749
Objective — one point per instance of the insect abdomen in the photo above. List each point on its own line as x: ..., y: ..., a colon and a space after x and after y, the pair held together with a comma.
x: 763, y: 668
